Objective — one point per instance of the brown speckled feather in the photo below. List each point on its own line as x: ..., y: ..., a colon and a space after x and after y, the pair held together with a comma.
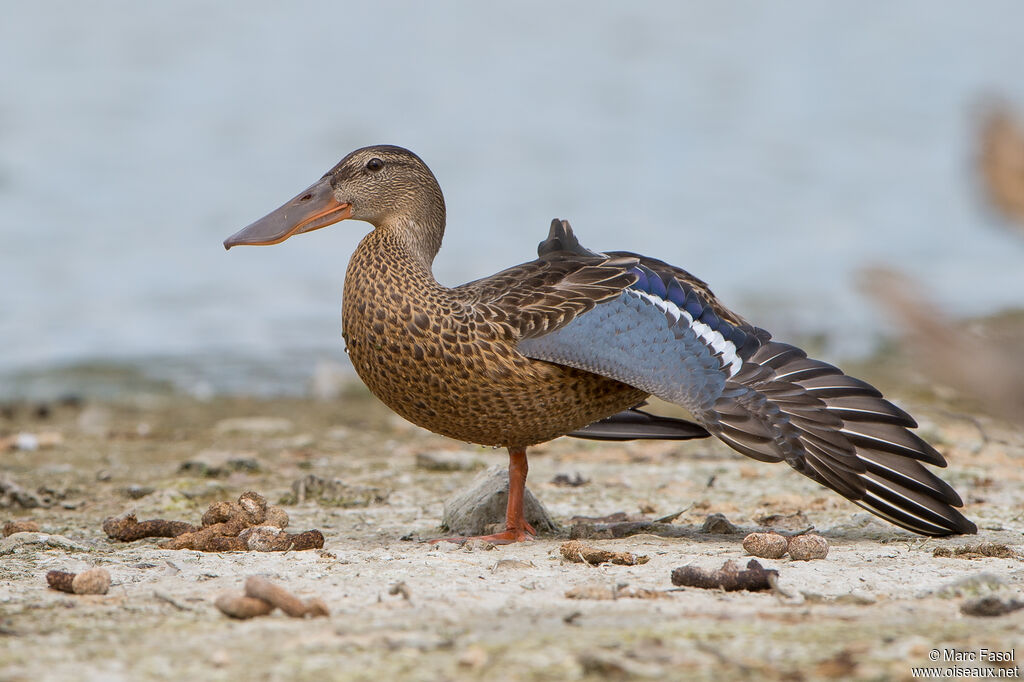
x: 446, y: 359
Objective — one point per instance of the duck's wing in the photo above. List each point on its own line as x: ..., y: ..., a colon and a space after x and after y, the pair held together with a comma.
x: 651, y: 325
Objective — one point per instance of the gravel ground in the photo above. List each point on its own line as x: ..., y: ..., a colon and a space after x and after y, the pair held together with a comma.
x: 875, y: 608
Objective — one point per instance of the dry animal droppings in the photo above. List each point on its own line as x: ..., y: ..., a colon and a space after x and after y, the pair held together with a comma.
x: 807, y: 547
x: 766, y: 545
x: 262, y: 596
x: 92, y: 581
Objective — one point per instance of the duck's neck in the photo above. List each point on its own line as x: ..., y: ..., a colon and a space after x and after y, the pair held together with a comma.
x: 416, y: 237
x: 396, y: 257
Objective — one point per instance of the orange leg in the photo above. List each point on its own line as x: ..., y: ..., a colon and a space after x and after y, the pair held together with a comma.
x: 516, y: 527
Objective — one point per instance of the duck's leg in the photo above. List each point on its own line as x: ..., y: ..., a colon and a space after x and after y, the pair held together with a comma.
x: 516, y: 527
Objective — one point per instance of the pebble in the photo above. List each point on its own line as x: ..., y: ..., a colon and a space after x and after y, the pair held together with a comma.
x: 483, y: 503
x: 719, y: 525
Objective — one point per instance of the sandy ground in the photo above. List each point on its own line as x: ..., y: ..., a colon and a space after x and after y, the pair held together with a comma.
x: 878, y: 605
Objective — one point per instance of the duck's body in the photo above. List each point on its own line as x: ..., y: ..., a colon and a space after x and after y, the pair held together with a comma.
x: 550, y: 347
x: 446, y: 359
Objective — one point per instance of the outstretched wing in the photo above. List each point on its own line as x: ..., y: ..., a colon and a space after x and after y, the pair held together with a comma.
x: 657, y: 328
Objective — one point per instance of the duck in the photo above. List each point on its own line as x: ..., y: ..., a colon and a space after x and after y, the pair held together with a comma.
x: 576, y: 341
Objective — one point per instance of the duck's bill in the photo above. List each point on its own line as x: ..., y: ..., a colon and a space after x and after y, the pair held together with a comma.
x: 314, y: 208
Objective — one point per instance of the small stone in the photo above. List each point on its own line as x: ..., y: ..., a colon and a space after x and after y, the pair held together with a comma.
x: 719, y: 525
x: 92, y: 581
x: 483, y: 503
x: 137, y: 492
x: 766, y: 545
x: 807, y: 547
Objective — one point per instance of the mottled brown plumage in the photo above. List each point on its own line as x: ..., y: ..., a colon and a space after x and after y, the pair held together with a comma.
x: 446, y: 359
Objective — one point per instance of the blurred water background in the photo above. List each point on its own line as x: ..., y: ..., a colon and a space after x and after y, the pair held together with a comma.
x: 770, y: 149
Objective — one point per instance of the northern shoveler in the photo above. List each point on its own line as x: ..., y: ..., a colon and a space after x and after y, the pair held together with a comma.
x: 571, y: 342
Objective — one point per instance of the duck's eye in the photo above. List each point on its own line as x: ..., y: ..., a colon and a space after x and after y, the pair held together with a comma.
x: 374, y: 164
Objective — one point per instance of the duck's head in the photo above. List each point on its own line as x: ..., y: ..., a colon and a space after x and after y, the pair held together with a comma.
x: 386, y: 186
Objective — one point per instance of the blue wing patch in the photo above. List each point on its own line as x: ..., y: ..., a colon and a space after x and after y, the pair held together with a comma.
x: 647, y: 340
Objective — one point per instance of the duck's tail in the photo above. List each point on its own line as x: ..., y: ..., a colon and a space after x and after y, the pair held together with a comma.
x: 839, y: 431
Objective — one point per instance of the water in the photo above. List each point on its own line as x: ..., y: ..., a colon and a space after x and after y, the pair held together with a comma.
x: 770, y: 152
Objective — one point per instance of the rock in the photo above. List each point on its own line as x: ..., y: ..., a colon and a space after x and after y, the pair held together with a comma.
x: 718, y: 524
x: 137, y: 492
x: 9, y: 544
x: 471, y: 511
